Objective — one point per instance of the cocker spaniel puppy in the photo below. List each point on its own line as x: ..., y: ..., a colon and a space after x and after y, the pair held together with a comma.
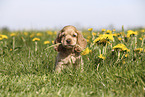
x: 71, y: 43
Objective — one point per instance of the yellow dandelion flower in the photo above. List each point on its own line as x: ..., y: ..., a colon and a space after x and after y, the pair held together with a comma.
x: 93, y: 33
x: 88, y: 40
x: 49, y: 32
x: 88, y: 37
x: 109, y: 37
x: 1, y: 38
x: 39, y: 34
x: 55, y: 32
x: 36, y: 39
x: 103, y: 39
x: 46, y: 42
x: 126, y: 55
x: 108, y: 32
x: 26, y: 33
x: 13, y: 34
x: 101, y: 57
x: 118, y: 34
x: 143, y: 30
x: 123, y: 61
x: 32, y: 35
x: 138, y: 50
x: 90, y: 29
x: 122, y: 33
x: 114, y: 30
x: 52, y: 42
x: 140, y: 38
x: 131, y: 33
x: 119, y: 38
x: 11, y: 49
x: 103, y: 30
x: 86, y: 51
x: 121, y: 47
x: 114, y: 34
x: 4, y: 36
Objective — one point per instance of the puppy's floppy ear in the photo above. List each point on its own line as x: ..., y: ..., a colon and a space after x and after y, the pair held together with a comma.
x: 58, y: 40
x: 81, y: 41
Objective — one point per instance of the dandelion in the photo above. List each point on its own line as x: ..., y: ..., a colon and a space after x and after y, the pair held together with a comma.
x: 103, y: 39
x: 103, y: 30
x: 55, y: 32
x: 114, y: 34
x: 123, y: 61
x: 88, y: 40
x: 118, y: 34
x: 11, y: 49
x: 88, y: 37
x: 122, y: 33
x: 90, y: 29
x: 108, y: 32
x: 32, y: 35
x: 140, y: 38
x: 49, y: 32
x: 36, y: 39
x: 26, y: 33
x: 86, y: 51
x: 94, y: 34
x: 131, y: 33
x: 114, y: 30
x: 46, y: 42
x: 39, y: 34
x: 119, y: 38
x: 101, y: 57
x: 143, y: 30
x: 13, y: 34
x: 52, y: 42
x: 126, y: 55
x: 4, y: 36
x: 138, y: 50
x: 91, y: 33
x: 121, y: 47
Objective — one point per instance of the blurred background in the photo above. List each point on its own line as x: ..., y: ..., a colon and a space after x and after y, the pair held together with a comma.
x: 47, y: 14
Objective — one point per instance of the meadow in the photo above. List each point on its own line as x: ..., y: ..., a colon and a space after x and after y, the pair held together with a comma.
x: 114, y: 65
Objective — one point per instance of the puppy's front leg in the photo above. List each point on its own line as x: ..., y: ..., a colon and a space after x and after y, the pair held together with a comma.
x: 59, y: 67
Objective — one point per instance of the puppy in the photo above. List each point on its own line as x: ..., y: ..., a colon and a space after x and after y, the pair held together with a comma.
x: 72, y: 43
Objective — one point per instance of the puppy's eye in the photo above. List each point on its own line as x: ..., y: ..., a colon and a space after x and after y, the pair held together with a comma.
x: 74, y: 35
x: 63, y: 35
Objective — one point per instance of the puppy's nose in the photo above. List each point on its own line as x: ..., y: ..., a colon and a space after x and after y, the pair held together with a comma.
x: 68, y: 41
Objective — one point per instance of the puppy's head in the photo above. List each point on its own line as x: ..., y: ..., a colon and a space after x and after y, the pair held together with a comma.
x: 69, y: 37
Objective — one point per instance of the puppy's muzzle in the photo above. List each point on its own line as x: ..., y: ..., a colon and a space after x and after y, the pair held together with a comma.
x: 68, y: 41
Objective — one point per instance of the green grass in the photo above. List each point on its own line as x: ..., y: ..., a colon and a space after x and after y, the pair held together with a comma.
x: 24, y: 72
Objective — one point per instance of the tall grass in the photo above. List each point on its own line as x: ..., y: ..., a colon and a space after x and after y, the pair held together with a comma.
x: 25, y: 71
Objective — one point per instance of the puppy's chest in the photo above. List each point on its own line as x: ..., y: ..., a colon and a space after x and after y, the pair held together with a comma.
x: 70, y: 59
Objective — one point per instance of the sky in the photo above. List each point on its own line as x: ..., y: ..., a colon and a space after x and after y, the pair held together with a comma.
x: 45, y: 14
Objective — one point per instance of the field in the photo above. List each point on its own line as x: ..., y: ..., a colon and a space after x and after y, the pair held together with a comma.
x: 114, y: 65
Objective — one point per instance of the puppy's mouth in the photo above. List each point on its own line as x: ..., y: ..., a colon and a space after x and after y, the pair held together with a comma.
x: 68, y: 46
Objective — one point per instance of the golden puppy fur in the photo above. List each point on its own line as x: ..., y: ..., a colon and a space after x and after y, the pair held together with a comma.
x: 72, y: 43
